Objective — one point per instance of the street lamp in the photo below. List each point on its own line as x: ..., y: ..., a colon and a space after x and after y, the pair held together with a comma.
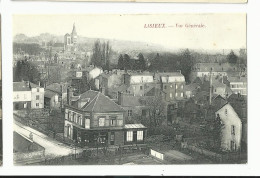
x: 75, y: 142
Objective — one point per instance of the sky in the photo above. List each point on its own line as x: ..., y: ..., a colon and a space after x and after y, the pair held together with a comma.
x: 219, y: 31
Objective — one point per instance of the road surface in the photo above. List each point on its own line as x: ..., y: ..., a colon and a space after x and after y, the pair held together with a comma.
x: 53, y: 148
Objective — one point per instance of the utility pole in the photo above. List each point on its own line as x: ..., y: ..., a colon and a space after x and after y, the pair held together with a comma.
x: 210, y: 86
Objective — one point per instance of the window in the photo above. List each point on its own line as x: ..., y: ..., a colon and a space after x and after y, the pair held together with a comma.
x: 165, y: 87
x: 87, y: 123
x: 113, y: 121
x: 171, y: 86
x: 66, y: 114
x: 101, y: 122
x: 176, y: 94
x: 139, y: 135
x: 226, y: 112
x: 170, y: 95
x: 232, y: 130
x: 56, y: 99
x: 69, y: 131
x: 38, y: 89
x: 181, y: 94
x: 181, y: 86
x: 176, y: 86
x: 37, y: 97
x: 130, y: 113
x: 25, y: 105
x: 69, y: 115
x: 232, y: 145
x: 37, y: 105
x: 129, y: 136
x: 141, y: 87
x: 74, y: 117
x: 79, y: 120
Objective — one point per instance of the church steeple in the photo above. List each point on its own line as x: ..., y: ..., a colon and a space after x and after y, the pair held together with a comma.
x: 74, y: 30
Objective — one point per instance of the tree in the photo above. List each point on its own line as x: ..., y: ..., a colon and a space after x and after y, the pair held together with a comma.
x: 101, y: 54
x: 232, y: 57
x: 140, y: 63
x: 186, y: 63
x: 155, y: 108
x: 96, y: 56
x: 120, y: 63
x: 216, y: 132
x: 127, y: 62
x: 25, y: 70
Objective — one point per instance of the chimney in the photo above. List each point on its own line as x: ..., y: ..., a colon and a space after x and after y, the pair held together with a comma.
x: 27, y: 83
x: 120, y: 98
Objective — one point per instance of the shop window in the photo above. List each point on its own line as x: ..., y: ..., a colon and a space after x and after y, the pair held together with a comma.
x: 140, y: 136
x: 129, y: 136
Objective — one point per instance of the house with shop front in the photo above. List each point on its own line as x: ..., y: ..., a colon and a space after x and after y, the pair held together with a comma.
x: 231, y: 132
x: 27, y: 95
x: 92, y: 118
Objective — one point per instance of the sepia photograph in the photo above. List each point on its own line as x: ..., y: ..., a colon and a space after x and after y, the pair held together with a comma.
x: 129, y: 89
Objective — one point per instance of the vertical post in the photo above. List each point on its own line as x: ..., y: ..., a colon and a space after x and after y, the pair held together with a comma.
x: 210, y: 87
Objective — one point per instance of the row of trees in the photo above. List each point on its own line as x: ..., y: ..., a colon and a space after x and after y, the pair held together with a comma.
x: 127, y: 63
x: 170, y: 62
x: 101, y: 54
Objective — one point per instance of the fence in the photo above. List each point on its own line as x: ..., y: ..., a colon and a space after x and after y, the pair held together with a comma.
x: 221, y: 158
x: 157, y: 154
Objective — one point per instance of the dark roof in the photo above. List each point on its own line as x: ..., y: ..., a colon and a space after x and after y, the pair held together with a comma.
x: 99, y: 103
x: 20, y: 86
x: 49, y: 94
x: 216, y: 67
x: 23, y: 86
x: 56, y: 87
x: 237, y: 79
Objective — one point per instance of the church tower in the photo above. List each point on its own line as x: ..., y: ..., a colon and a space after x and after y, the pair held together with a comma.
x: 74, y: 35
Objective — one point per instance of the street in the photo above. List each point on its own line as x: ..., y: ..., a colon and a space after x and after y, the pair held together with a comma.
x: 53, y: 148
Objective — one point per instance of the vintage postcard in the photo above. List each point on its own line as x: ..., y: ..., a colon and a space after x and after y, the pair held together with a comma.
x: 126, y: 89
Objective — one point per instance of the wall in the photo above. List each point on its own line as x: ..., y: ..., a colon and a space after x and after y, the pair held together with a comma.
x: 22, y: 96
x: 95, y: 119
x: 230, y: 119
x: 41, y: 99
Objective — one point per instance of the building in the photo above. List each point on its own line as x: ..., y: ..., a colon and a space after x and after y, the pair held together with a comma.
x: 55, y: 95
x: 27, y: 95
x: 231, y: 133
x: 108, y: 81
x: 92, y: 118
x: 238, y: 85
x: 203, y: 70
x: 139, y: 83
x: 190, y: 90
x: 70, y: 40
